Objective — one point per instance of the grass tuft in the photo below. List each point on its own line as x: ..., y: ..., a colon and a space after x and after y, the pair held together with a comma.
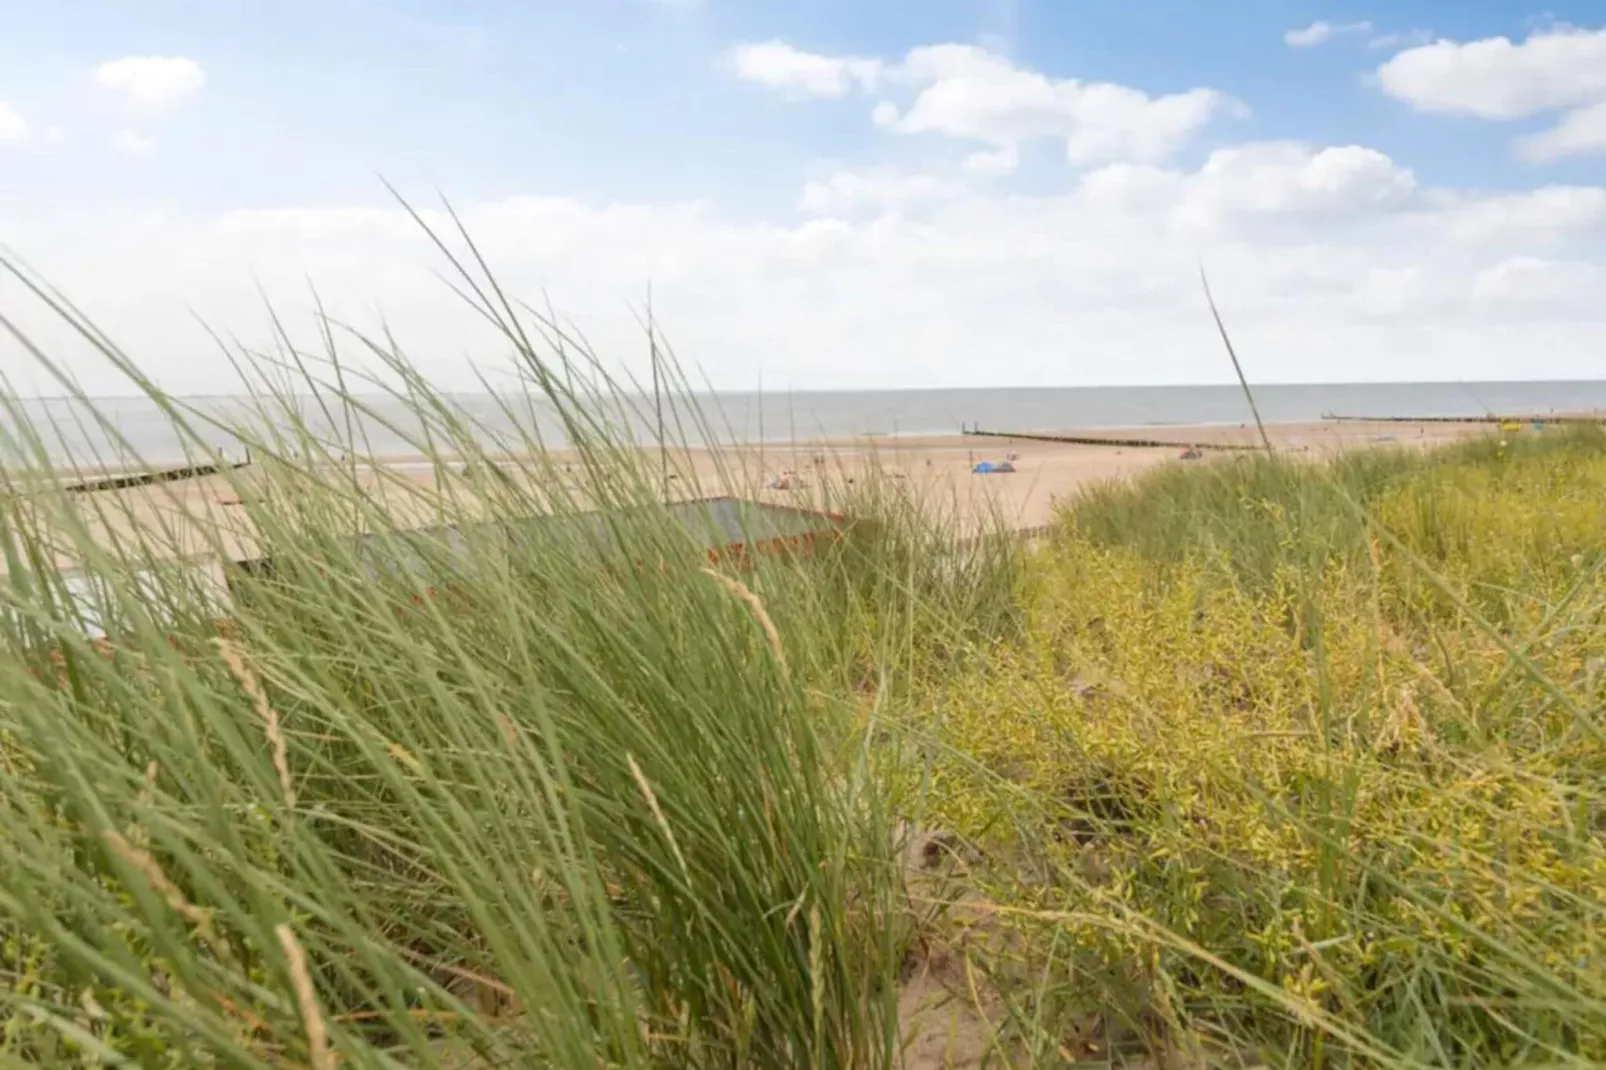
x: 1258, y: 762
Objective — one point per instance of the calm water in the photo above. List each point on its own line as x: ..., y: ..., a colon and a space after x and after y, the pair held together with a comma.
x: 70, y: 432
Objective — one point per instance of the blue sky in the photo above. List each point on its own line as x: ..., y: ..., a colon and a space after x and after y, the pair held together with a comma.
x: 307, y: 100
x: 298, y: 106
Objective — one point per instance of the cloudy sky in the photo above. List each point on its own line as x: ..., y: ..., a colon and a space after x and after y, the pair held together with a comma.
x: 825, y: 193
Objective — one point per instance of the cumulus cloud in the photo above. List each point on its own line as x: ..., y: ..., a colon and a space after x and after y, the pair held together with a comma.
x: 1529, y: 280
x: 1002, y: 161
x: 133, y: 142
x: 1322, y: 31
x: 13, y: 127
x: 1537, y: 218
x: 1286, y: 180
x: 152, y: 84
x: 1578, y: 132
x: 847, y: 191
x: 971, y: 93
x: 1560, y: 69
x: 1266, y: 191
x: 778, y: 65
x: 967, y: 92
x: 1495, y: 78
x: 1332, y: 262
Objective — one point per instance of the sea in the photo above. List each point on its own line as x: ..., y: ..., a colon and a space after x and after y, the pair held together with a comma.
x: 122, y: 431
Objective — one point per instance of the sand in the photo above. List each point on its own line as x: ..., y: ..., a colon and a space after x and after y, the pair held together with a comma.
x: 939, y: 468
x: 203, y: 518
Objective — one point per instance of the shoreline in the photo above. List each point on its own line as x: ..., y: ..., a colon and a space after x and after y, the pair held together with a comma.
x: 937, y: 472
x: 939, y: 468
x: 1202, y: 431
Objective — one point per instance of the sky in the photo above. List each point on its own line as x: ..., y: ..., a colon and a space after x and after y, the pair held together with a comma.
x: 823, y: 194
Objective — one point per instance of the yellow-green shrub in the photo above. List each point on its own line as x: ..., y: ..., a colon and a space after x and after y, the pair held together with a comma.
x: 1329, y: 781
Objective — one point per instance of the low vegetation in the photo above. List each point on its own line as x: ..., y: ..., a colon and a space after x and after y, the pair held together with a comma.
x: 1251, y: 762
x: 1312, y: 759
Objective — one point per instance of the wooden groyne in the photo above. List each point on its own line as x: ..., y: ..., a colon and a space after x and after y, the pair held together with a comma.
x: 1532, y: 418
x: 144, y: 479
x: 1094, y: 440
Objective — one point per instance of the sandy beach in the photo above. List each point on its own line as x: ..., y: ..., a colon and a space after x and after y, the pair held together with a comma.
x: 205, y: 517
x: 940, y: 468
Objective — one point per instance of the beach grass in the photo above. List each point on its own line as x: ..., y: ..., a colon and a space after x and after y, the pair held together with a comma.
x: 1252, y: 762
x: 545, y: 784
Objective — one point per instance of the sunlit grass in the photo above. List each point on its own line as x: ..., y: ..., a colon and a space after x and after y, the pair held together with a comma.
x: 1288, y: 801
x: 561, y: 791
x: 1257, y: 762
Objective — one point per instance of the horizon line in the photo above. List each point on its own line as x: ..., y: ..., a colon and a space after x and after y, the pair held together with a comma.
x: 884, y: 389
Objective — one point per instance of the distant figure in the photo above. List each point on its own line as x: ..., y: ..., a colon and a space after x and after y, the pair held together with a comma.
x: 1192, y: 453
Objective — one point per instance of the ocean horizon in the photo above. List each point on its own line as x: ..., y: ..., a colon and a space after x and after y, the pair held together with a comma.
x: 73, y: 434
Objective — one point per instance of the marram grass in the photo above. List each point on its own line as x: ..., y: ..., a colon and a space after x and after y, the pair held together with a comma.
x: 558, y: 792
x: 1253, y: 763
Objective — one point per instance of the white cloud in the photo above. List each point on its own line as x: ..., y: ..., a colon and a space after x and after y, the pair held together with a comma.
x: 1529, y: 280
x: 1495, y: 78
x: 1330, y: 262
x: 846, y: 191
x: 1543, y: 217
x: 1264, y: 191
x: 1285, y: 180
x: 1322, y: 31
x: 1002, y: 161
x: 1561, y: 68
x: 971, y: 93
x: 967, y: 92
x: 1579, y: 132
x: 13, y: 127
x: 1401, y: 39
x: 152, y: 84
x: 133, y: 142
x: 778, y: 65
